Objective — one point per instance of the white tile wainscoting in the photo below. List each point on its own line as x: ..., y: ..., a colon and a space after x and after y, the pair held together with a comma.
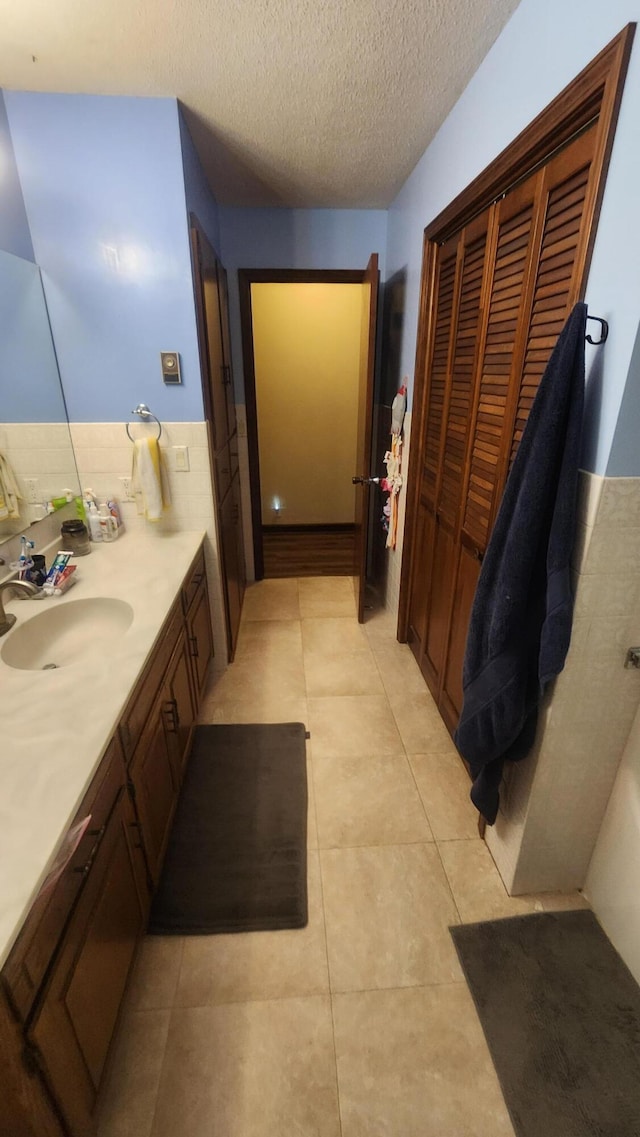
x: 40, y: 450
x: 104, y: 455
x: 554, y: 802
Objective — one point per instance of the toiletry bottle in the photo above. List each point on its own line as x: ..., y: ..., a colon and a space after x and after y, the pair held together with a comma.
x: 107, y: 523
x: 114, y: 510
x: 94, y: 523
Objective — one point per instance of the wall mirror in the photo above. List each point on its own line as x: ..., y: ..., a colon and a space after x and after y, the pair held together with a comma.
x: 35, y: 440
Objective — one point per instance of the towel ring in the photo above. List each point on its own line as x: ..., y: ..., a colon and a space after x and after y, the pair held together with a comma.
x: 144, y: 412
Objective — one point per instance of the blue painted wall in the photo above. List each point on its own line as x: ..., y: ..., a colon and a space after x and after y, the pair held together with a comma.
x: 295, y: 238
x: 541, y: 49
x: 14, y: 228
x: 105, y: 198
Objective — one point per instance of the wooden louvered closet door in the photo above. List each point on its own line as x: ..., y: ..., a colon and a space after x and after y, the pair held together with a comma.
x: 503, y: 288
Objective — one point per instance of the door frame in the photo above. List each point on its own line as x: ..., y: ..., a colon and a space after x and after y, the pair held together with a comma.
x: 247, y: 277
x: 595, y: 93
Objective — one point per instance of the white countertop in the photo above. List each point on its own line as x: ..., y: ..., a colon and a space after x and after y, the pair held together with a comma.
x: 55, y: 725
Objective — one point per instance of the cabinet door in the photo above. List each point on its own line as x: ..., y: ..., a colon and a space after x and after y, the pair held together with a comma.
x: 210, y: 283
x: 200, y: 640
x: 72, y: 1029
x: 154, y: 789
x: 178, y: 709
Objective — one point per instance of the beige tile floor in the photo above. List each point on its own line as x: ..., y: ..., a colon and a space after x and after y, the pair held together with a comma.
x: 360, y: 1024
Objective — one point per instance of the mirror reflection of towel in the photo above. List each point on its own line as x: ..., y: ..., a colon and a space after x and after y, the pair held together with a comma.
x: 147, y: 478
x: 9, y: 491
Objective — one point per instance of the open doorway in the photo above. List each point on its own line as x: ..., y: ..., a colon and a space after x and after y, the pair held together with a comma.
x: 305, y: 337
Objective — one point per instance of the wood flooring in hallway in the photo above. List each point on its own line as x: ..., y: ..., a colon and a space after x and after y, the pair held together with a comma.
x: 314, y: 551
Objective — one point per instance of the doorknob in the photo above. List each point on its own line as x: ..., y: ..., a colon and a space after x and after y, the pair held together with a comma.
x: 365, y: 481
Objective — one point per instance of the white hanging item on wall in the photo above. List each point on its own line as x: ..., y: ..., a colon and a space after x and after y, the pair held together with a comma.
x: 393, y: 461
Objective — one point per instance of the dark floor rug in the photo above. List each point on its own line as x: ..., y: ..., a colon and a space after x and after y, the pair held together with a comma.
x: 561, y: 1014
x: 237, y: 855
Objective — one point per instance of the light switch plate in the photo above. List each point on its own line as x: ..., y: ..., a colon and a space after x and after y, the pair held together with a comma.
x: 181, y: 459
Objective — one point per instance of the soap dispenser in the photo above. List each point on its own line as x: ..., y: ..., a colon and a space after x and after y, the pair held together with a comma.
x: 93, y: 519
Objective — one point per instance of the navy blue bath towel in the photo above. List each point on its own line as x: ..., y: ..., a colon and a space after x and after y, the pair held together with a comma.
x: 520, y: 623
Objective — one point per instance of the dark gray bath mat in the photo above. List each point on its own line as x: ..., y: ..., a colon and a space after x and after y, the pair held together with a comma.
x: 561, y: 1014
x: 237, y: 855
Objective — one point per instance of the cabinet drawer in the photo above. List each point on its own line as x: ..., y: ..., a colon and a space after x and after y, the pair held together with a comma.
x: 38, y: 941
x: 193, y: 581
x: 140, y: 703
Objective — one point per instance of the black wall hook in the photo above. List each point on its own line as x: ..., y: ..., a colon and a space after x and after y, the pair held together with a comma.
x: 604, y: 331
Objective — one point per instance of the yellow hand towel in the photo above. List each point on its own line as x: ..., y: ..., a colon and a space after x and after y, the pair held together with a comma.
x: 147, y: 478
x: 9, y: 492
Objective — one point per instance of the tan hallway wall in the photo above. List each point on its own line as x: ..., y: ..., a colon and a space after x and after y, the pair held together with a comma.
x: 306, y: 347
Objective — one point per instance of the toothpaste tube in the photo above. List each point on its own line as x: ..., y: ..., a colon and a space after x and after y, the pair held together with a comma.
x: 57, y: 568
x: 64, y: 581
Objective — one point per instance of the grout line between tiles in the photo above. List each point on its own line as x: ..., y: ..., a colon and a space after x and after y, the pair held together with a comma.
x: 326, y: 941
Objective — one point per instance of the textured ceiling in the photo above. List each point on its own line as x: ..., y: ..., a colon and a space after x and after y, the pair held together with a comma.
x: 290, y: 102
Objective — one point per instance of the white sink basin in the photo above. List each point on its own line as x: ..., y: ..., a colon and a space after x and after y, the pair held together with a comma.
x: 66, y: 633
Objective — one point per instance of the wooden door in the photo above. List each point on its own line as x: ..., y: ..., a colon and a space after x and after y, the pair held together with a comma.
x: 461, y: 268
x: 214, y: 338
x: 540, y: 199
x: 225, y: 328
x: 502, y: 288
x: 216, y: 370
x: 232, y: 552
x: 365, y: 424
x: 535, y: 282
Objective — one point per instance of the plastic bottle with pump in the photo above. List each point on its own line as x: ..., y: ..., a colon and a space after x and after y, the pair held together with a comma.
x: 108, y: 525
x: 93, y: 520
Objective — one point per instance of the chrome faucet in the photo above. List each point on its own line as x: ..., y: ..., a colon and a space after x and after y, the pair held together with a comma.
x: 26, y: 588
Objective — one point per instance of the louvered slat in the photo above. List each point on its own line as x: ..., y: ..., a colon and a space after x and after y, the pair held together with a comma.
x: 438, y: 371
x: 514, y: 235
x: 462, y: 376
x: 552, y: 292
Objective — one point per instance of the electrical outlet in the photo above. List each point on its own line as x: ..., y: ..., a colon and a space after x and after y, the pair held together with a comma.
x: 31, y: 491
x: 127, y: 489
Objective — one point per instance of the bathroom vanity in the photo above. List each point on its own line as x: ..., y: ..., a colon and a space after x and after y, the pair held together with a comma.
x: 92, y: 756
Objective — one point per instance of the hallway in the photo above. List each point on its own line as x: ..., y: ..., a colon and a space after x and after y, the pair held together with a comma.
x: 361, y: 1024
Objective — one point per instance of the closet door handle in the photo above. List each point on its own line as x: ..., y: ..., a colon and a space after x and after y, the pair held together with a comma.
x: 193, y: 641
x: 357, y: 481
x: 171, y: 712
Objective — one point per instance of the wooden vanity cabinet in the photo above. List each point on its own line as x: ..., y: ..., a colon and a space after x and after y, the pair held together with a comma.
x: 62, y: 986
x: 199, y: 635
x: 153, y: 790
x: 71, y: 1029
x: 179, y: 707
x: 66, y: 973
